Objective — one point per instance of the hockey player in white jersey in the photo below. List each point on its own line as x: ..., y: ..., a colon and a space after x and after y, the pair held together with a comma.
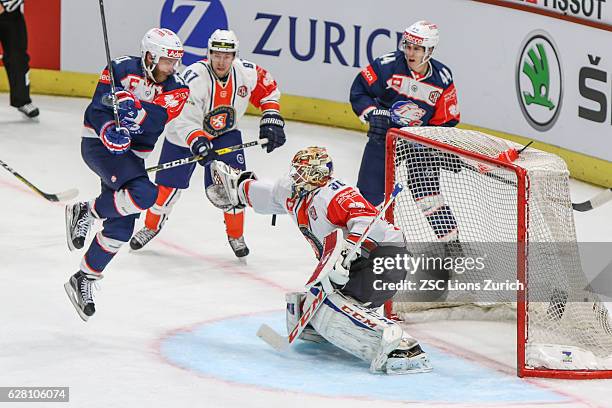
x: 220, y: 90
x: 319, y: 204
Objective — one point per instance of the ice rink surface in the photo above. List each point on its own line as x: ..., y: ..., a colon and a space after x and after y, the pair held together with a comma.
x: 175, y: 322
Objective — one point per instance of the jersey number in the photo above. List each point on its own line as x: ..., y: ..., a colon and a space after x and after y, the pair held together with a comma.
x: 189, y: 76
x: 335, y: 185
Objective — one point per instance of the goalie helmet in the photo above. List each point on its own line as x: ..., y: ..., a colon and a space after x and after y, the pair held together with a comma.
x: 223, y: 41
x: 160, y: 42
x: 424, y: 34
x: 311, y: 168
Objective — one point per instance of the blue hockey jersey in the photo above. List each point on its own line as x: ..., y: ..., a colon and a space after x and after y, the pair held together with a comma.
x: 389, y: 83
x: 161, y: 102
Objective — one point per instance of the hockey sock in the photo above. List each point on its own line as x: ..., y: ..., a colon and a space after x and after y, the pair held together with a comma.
x: 157, y: 215
x: 234, y: 223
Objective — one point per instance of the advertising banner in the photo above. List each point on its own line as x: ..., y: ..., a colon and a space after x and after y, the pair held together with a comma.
x: 517, y: 72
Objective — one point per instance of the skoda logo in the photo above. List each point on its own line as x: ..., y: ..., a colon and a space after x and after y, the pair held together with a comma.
x: 193, y: 21
x: 539, y: 81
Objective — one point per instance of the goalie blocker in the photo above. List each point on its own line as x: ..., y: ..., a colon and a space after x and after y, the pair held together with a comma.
x: 347, y: 316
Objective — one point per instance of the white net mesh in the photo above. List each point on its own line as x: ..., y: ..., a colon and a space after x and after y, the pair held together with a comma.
x: 472, y: 206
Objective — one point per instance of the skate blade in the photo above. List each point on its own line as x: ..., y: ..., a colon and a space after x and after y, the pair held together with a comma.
x: 74, y: 302
x: 68, y: 216
x: 243, y: 260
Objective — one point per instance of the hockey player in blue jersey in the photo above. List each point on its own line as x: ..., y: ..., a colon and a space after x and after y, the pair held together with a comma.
x: 407, y: 88
x: 149, y: 95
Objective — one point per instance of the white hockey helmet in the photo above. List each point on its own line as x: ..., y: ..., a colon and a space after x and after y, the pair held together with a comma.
x: 424, y: 34
x: 160, y: 42
x: 311, y: 168
x: 223, y: 41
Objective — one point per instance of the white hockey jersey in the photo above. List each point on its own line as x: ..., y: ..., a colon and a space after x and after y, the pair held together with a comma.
x: 317, y: 214
x: 214, y: 108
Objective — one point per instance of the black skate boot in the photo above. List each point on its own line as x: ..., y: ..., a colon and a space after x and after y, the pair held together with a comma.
x: 29, y: 110
x: 78, y: 223
x: 80, y: 292
x: 239, y: 246
x: 142, y: 238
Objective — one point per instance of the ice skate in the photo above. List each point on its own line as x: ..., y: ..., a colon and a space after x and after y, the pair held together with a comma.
x: 142, y: 238
x: 78, y: 222
x: 80, y: 292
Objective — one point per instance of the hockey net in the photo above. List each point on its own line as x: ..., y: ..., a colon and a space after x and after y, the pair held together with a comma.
x: 472, y: 192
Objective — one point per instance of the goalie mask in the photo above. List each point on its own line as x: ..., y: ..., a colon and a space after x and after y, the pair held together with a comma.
x: 160, y: 42
x: 311, y: 168
x: 423, y: 34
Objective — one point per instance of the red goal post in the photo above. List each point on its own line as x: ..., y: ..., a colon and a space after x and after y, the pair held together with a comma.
x: 489, y: 165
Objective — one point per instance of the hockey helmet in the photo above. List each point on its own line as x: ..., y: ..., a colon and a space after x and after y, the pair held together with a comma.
x: 160, y: 42
x: 223, y: 41
x: 311, y: 168
x: 422, y: 33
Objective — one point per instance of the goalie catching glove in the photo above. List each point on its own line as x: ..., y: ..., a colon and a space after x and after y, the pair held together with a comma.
x: 226, y: 192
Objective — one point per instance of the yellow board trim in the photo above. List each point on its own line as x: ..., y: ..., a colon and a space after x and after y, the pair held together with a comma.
x: 319, y: 111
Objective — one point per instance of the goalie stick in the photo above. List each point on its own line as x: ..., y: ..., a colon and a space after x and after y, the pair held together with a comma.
x: 594, y: 202
x: 63, y: 196
x: 220, y: 152
x: 319, y: 282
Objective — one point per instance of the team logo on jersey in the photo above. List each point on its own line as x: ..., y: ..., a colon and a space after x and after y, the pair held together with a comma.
x: 219, y: 120
x: 193, y: 21
x: 434, y: 96
x: 407, y: 113
x: 242, y: 91
x: 539, y: 80
x: 290, y: 203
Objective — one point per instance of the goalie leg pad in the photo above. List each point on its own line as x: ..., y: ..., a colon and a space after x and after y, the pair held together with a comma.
x: 295, y: 303
x: 367, y: 335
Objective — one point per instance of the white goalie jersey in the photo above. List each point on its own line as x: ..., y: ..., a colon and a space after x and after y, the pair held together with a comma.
x: 213, y: 107
x: 318, y: 213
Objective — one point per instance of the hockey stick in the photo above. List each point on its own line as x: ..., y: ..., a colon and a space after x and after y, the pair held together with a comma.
x: 320, y: 281
x: 110, y: 67
x: 220, y: 152
x: 594, y: 202
x: 63, y: 196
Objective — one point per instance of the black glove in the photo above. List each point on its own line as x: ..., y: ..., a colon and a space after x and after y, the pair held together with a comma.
x: 271, y: 128
x: 380, y: 122
x: 204, y: 147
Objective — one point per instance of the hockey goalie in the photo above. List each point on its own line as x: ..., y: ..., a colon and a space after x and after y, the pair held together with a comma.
x: 320, y: 204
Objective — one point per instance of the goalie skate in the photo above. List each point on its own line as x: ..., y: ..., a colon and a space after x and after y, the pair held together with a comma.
x: 411, y: 361
x: 142, y: 238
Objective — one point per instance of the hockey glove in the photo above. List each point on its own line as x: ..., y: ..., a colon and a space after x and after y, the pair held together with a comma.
x: 117, y: 141
x: 271, y: 128
x: 128, y: 105
x: 380, y: 122
x: 340, y: 274
x: 203, y: 147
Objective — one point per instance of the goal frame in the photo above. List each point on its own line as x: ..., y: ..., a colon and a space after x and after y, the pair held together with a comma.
x: 523, y: 190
